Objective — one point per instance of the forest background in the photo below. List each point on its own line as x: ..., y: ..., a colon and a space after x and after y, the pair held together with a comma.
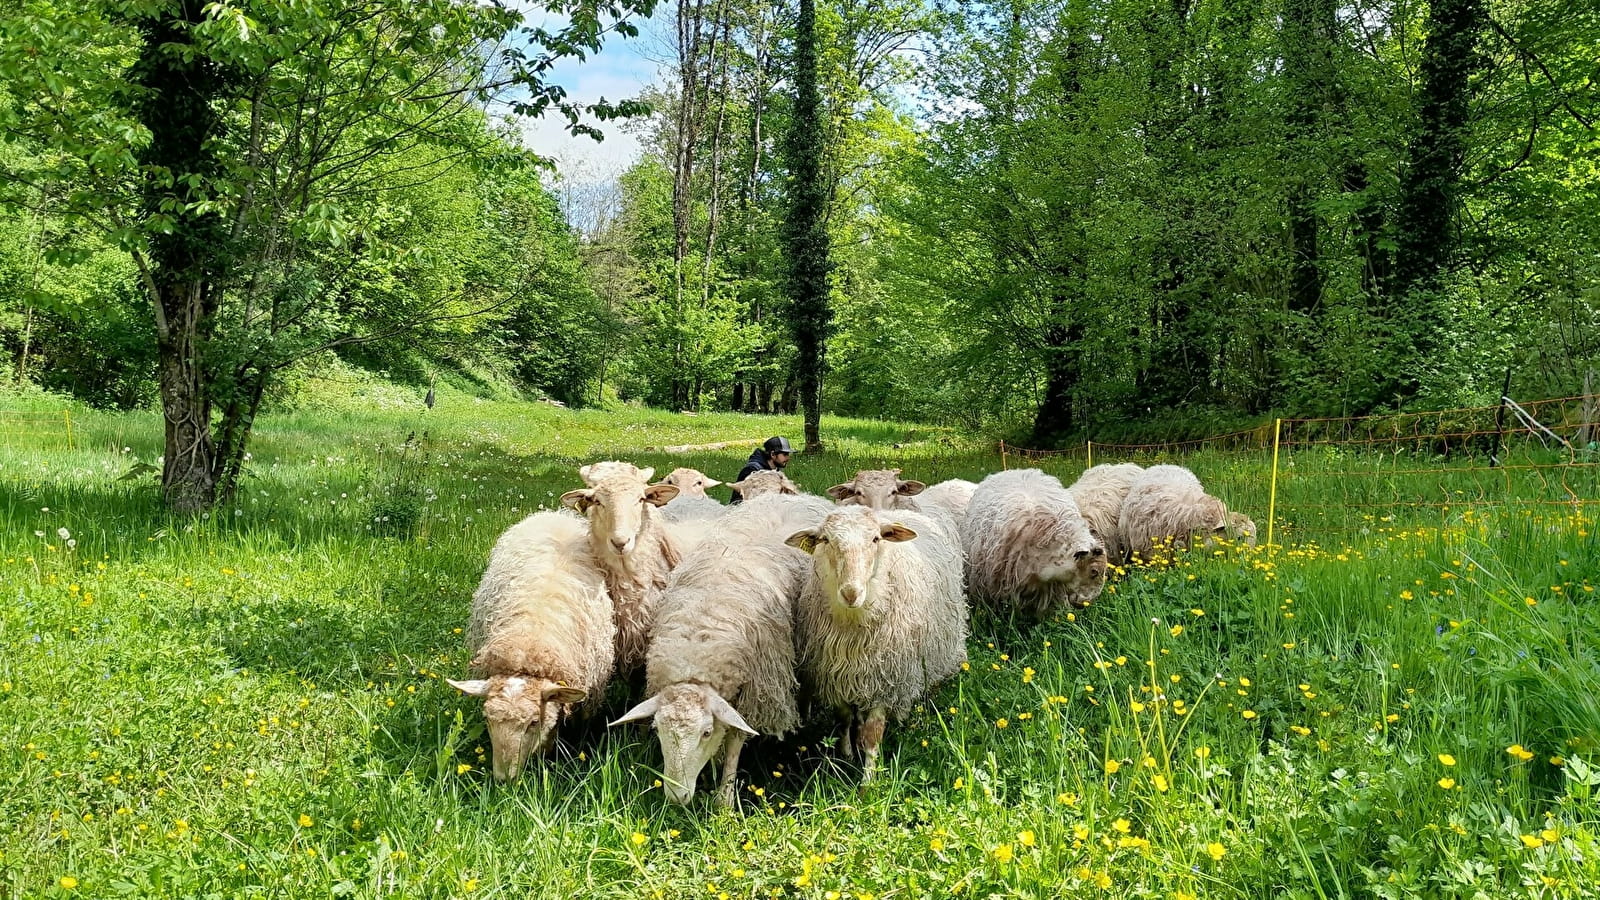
x: 1040, y: 218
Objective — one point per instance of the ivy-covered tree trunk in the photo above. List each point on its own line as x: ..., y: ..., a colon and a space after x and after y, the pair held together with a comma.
x: 1430, y: 187
x: 805, y: 234
x: 179, y: 87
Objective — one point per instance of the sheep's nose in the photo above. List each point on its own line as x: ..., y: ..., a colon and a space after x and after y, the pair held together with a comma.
x: 619, y: 543
x: 848, y: 593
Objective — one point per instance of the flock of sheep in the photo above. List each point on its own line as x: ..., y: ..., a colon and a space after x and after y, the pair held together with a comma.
x: 737, y: 612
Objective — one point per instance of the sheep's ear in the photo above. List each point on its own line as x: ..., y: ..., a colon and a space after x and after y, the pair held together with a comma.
x: 910, y: 488
x: 802, y: 540
x: 579, y: 500
x: 841, y: 491
x: 583, y: 473
x: 789, y: 487
x: 711, y: 483
x: 736, y: 485
x: 896, y: 532
x: 477, y: 687
x: 647, y: 474
x: 560, y: 694
x: 727, y: 715
x: 659, y: 494
x: 643, y: 711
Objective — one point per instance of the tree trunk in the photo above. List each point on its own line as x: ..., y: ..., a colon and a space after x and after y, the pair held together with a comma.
x: 177, y: 105
x: 804, y: 228
x: 1425, y: 233
x: 188, y: 474
x: 1054, y: 417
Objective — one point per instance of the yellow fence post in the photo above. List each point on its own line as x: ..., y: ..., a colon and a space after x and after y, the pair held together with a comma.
x: 1003, y: 464
x: 1272, y: 494
x: 1089, y: 446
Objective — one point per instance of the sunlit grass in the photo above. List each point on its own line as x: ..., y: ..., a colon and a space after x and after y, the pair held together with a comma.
x: 251, y: 704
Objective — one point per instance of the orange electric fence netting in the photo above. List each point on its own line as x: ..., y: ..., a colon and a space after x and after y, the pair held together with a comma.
x: 19, y: 428
x: 1304, y: 479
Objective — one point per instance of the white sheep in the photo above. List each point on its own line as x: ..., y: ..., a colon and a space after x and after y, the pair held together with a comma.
x: 952, y: 497
x: 882, y: 619
x: 1167, y: 505
x: 1028, y: 546
x: 634, y: 547
x: 721, y: 661
x: 693, y: 509
x: 1099, y: 493
x: 765, y: 481
x: 690, y: 482
x: 541, y: 635
x: 878, y: 489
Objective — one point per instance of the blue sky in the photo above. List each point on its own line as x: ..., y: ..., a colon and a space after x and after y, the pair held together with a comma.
x: 622, y: 69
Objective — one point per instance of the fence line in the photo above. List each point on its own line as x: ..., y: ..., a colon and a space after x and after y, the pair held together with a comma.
x: 1540, y: 457
x: 24, y: 417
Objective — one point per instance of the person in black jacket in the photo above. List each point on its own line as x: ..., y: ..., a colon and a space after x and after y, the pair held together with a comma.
x: 773, y: 454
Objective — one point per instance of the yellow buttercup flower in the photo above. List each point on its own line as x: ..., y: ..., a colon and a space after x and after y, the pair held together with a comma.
x: 306, y: 821
x: 1447, y: 783
x: 1446, y: 759
x: 1112, y: 766
x: 1217, y: 851
x: 639, y: 839
x: 1004, y: 853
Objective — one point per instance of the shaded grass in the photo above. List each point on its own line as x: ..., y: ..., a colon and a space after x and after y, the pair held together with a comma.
x: 175, y: 694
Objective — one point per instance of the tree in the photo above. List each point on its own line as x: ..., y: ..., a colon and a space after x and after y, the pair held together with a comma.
x: 1425, y: 224
x: 805, y: 232
x: 226, y: 147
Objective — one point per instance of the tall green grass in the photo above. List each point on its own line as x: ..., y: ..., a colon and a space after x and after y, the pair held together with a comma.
x: 251, y: 704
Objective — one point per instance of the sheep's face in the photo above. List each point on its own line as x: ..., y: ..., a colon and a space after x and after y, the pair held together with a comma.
x: 1078, y: 569
x: 766, y: 481
x: 692, y: 722
x: 847, y: 550
x: 690, y: 482
x: 522, y: 714
x: 618, y: 508
x: 1239, y: 527
x: 880, y: 489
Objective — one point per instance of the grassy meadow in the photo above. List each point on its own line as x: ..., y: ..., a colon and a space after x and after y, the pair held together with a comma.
x: 1402, y: 701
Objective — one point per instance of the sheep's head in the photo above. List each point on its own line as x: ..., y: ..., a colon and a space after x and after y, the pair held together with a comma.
x: 766, y: 481
x: 692, y: 722
x: 594, y: 473
x: 522, y: 713
x: 847, y: 549
x: 690, y: 482
x: 878, y: 489
x: 1239, y: 527
x: 1076, y: 567
x: 617, y: 507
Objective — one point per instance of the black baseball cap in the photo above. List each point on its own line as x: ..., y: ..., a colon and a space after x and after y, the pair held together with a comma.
x: 777, y: 445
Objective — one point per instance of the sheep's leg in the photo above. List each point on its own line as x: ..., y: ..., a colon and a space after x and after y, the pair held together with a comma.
x: 845, y: 747
x: 730, y: 768
x: 871, y: 737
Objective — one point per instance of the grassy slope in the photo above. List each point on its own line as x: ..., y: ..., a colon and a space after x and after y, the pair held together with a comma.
x: 251, y: 705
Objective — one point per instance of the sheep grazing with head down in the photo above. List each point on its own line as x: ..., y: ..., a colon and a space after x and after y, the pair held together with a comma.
x: 882, y: 619
x: 1167, y: 506
x: 721, y: 661
x: 1028, y: 547
x: 541, y: 636
x: 878, y: 489
x: 634, y: 547
x: 766, y: 481
x: 1099, y: 493
x: 690, y: 482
